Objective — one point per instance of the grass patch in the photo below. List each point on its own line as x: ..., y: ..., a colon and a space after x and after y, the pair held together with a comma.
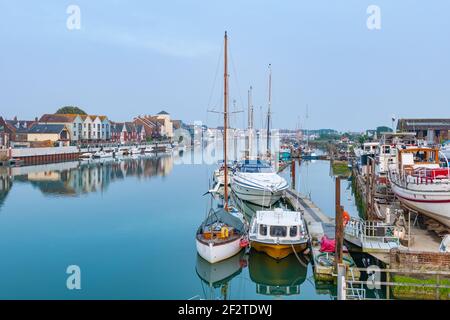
x: 419, y: 293
x: 340, y: 168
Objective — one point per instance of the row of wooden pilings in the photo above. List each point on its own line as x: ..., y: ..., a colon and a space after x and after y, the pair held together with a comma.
x: 50, y: 158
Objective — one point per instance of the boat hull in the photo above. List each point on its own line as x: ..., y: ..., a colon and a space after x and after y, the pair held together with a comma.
x: 278, y: 251
x: 260, y: 197
x: 218, y: 252
x: 436, y: 205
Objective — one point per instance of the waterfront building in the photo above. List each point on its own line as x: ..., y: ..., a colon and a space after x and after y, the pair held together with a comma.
x: 166, y: 128
x: 106, y: 128
x: 148, y: 124
x: 19, y: 131
x: 431, y: 130
x: 73, y: 123
x: 58, y: 134
x: 5, y: 134
x: 124, y: 132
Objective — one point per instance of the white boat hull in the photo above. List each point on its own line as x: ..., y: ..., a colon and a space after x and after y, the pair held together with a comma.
x: 435, y: 204
x: 259, y: 197
x: 215, y: 253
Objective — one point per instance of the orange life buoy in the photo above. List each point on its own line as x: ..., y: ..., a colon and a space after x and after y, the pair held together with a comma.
x: 346, y: 217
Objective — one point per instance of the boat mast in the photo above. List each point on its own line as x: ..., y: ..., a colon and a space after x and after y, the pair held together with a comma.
x: 269, y: 111
x: 225, y: 121
x: 250, y: 123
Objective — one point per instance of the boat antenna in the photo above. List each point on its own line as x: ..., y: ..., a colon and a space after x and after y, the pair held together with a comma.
x: 225, y: 120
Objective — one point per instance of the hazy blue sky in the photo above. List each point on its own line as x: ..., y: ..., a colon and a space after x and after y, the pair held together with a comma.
x: 138, y: 57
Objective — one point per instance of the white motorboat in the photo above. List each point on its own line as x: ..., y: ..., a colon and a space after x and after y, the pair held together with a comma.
x: 278, y: 233
x: 220, y: 236
x: 148, y: 149
x: 86, y: 156
x: 420, y: 183
x: 136, y: 150
x: 257, y: 182
x: 103, y: 154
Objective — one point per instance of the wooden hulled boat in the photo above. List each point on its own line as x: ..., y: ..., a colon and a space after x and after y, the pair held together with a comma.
x: 220, y: 236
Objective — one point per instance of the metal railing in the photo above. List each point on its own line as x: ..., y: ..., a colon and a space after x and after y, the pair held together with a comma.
x: 371, y: 231
x: 355, y: 288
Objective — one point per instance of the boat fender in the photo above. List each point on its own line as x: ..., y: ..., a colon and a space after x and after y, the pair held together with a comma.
x: 346, y: 217
x: 244, y: 243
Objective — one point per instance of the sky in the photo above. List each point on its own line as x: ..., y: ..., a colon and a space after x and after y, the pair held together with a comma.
x: 140, y: 57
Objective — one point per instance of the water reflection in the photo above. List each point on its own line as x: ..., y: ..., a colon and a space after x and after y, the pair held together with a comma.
x: 5, y: 185
x: 218, y: 276
x: 276, y: 277
x: 76, y: 178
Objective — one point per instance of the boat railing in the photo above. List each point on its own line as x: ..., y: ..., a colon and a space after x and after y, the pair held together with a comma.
x: 371, y: 231
x: 421, y: 177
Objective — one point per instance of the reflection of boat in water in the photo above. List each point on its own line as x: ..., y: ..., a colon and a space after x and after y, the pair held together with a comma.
x: 278, y: 233
x: 217, y: 274
x: 276, y: 277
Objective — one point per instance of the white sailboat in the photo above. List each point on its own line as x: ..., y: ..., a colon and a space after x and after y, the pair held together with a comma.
x: 222, y: 234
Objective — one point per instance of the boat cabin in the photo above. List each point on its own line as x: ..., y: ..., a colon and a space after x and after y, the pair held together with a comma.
x: 422, y: 163
x: 255, y: 166
x: 278, y: 226
x: 389, y: 142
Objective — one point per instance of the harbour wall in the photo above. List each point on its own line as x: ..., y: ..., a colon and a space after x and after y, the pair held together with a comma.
x: 417, y: 260
x: 45, y: 155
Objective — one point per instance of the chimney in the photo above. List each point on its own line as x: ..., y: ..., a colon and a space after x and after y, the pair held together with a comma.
x: 15, y: 118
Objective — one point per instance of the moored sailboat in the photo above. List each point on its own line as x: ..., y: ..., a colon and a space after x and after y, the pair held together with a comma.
x: 222, y: 234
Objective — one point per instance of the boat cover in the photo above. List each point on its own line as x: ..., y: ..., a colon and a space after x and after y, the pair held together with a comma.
x: 225, y: 217
x: 327, y: 244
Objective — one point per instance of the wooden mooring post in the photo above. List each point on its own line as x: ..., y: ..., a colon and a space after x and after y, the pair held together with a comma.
x: 341, y: 281
x: 293, y: 174
x: 339, y: 237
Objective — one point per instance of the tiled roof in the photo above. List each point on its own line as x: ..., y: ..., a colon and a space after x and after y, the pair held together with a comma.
x: 20, y: 126
x: 58, y: 117
x: 47, y: 128
x: 163, y: 113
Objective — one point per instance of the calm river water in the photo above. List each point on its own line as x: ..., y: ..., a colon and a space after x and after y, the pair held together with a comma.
x: 129, y: 225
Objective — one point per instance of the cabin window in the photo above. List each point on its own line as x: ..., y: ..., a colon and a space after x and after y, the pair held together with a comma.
x: 263, y: 229
x: 278, y: 231
x: 293, y: 231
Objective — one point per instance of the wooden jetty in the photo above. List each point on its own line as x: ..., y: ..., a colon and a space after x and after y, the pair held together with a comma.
x: 318, y: 225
